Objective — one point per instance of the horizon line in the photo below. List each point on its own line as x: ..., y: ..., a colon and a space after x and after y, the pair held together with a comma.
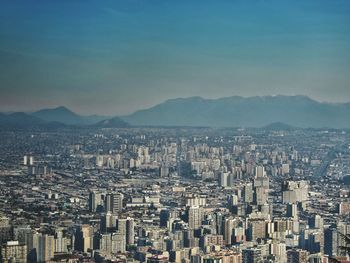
x: 167, y: 100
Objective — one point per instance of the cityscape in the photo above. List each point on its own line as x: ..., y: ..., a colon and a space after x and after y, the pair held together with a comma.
x: 175, y: 195
x: 159, y: 131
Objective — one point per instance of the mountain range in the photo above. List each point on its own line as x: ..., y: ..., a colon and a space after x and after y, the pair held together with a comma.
x: 297, y: 111
x: 60, y: 117
x: 270, y: 112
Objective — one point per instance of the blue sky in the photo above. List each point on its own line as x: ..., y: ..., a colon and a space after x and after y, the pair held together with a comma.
x: 114, y: 57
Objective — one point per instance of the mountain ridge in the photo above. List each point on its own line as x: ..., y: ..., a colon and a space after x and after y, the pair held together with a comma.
x: 59, y: 117
x: 235, y: 111
x: 267, y: 112
x: 64, y: 115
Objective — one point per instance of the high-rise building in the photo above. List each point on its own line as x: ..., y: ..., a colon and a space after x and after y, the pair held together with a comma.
x: 164, y: 171
x: 285, y: 168
x: 108, y: 204
x: 278, y: 249
x: 297, y: 256
x: 22, y: 234
x: 195, y: 200
x: 108, y: 222
x: 228, y: 230
x: 252, y: 255
x: 118, y: 243
x: 126, y: 228
x: 262, y: 181
x: 84, y: 238
x: 13, y: 251
x: 260, y: 171
x: 195, y: 217
x: 248, y: 193
x: 256, y: 228
x: 230, y: 180
x: 164, y: 217
x: 260, y: 195
x: 31, y: 160
x: 260, y: 186
x: 95, y: 201
x: 114, y: 202
x: 130, y: 231
x: 232, y: 200
x: 105, y: 244
x: 292, y: 211
x: 342, y: 229
x: 239, y: 234
x: 5, y: 229
x: 295, y: 191
x: 212, y: 240
x: 331, y: 241
x: 44, y: 246
x: 316, y: 221
x: 99, y: 161
x: 218, y: 223
x: 316, y: 241
x: 223, y: 179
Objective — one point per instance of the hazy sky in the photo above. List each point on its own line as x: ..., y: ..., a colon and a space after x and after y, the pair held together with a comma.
x: 114, y: 57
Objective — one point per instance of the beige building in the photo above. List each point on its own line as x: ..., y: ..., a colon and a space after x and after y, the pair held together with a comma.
x: 13, y: 252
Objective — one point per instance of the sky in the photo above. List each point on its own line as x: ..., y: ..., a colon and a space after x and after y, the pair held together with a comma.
x: 115, y: 57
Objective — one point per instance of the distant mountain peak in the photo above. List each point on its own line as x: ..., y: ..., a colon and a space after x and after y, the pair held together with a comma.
x: 62, y: 108
x: 64, y: 115
x: 278, y: 126
x: 114, y: 122
x: 59, y: 109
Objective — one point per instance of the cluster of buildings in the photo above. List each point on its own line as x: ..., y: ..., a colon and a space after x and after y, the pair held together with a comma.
x: 176, y: 195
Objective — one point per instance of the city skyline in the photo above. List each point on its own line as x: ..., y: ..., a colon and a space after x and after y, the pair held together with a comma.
x: 119, y: 57
x: 160, y: 131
